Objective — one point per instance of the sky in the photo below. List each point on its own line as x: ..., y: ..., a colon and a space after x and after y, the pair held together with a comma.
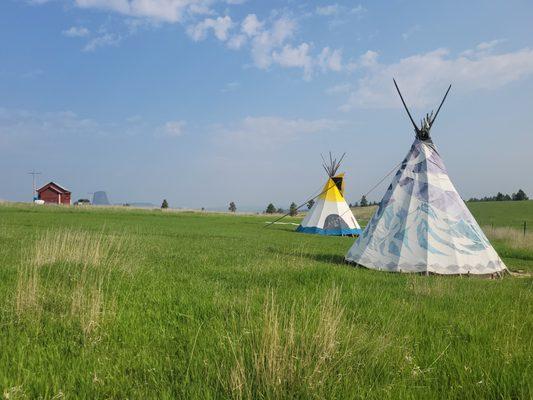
x: 203, y: 102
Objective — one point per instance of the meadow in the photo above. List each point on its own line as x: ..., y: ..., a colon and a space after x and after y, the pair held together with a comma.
x: 124, y: 303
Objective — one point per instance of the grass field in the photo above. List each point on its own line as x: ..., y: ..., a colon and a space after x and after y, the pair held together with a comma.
x: 113, y: 303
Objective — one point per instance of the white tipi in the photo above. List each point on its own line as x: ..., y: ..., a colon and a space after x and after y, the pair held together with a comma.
x: 422, y: 224
x: 330, y: 215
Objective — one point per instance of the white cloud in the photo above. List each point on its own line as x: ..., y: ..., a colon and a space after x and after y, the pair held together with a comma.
x: 368, y: 59
x: 424, y: 77
x: 331, y: 9
x: 483, y: 48
x: 106, y: 39
x: 237, y: 42
x: 76, y: 31
x: 163, y: 10
x: 20, y: 124
x: 220, y: 27
x: 334, y: 10
x: 174, y: 128
x: 230, y: 87
x: 295, y: 57
x: 251, y: 25
x: 330, y: 59
x: 39, y: 2
x: 267, y: 40
x: 357, y: 9
x: 270, y: 42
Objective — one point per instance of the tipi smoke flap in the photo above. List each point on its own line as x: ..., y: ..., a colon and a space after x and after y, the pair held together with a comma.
x: 330, y: 214
x: 422, y: 224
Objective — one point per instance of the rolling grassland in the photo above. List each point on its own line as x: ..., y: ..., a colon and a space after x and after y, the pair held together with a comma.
x: 118, y: 303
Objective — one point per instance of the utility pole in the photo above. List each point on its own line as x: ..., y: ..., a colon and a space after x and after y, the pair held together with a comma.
x: 33, y: 174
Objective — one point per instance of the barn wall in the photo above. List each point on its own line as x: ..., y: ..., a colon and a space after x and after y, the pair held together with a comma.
x: 49, y: 196
x: 65, y: 199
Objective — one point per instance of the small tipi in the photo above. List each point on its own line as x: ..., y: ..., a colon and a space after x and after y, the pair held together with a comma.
x: 422, y: 224
x: 330, y: 215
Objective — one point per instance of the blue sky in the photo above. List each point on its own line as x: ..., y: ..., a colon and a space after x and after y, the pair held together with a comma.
x: 204, y: 102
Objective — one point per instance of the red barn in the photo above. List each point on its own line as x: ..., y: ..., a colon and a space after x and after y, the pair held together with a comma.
x: 52, y: 193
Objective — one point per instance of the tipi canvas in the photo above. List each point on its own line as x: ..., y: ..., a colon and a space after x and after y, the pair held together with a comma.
x: 330, y: 215
x: 422, y: 224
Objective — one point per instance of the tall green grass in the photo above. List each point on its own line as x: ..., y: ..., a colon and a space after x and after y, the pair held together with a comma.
x: 503, y: 213
x: 145, y: 304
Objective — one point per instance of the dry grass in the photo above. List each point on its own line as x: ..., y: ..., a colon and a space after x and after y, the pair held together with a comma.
x: 297, y: 349
x: 364, y: 213
x: 77, y: 247
x: 77, y: 266
x: 512, y: 237
x: 27, y: 292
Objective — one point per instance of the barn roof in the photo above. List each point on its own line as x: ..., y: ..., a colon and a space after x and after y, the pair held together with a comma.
x: 55, y: 187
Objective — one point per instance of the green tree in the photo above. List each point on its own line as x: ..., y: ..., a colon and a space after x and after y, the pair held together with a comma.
x: 232, y: 207
x: 520, y: 195
x: 271, y: 209
x: 164, y: 204
x: 364, y: 201
x: 310, y: 204
x: 293, y: 209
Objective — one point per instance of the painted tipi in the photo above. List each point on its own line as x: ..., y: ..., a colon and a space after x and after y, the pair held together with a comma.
x: 330, y: 215
x: 422, y: 224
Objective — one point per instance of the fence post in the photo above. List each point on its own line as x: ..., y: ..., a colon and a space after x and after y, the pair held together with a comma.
x: 525, y: 227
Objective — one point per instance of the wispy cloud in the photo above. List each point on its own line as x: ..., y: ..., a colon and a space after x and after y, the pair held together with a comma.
x: 17, y: 125
x: 105, y: 39
x: 220, y: 27
x: 338, y: 14
x: 76, y: 31
x: 174, y: 128
x: 272, y: 131
x: 162, y: 10
x: 271, y: 42
x: 424, y: 76
x: 410, y: 32
x: 230, y: 87
x: 336, y: 9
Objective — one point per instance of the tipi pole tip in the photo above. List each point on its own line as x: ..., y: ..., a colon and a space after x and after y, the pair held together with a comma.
x: 405, y: 106
x: 441, y: 103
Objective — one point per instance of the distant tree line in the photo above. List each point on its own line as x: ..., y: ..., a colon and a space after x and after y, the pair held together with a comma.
x: 293, y: 209
x: 518, y: 196
x: 364, y: 203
